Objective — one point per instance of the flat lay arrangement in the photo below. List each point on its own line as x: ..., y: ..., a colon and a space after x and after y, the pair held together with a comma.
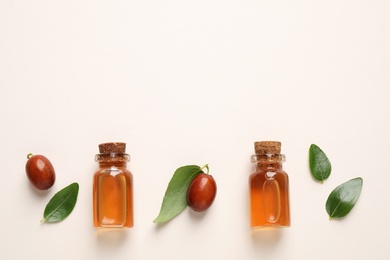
x: 194, y: 130
x: 190, y: 185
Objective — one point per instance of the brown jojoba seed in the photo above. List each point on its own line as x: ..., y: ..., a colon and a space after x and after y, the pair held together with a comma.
x: 40, y: 172
x: 201, y: 192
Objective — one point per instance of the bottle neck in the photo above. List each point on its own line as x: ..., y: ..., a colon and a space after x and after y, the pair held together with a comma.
x: 112, y: 159
x: 270, y: 162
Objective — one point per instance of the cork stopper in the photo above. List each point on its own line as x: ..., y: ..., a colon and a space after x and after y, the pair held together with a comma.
x: 268, y: 147
x: 107, y: 148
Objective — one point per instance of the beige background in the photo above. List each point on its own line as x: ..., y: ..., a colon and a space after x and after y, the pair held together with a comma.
x: 195, y: 82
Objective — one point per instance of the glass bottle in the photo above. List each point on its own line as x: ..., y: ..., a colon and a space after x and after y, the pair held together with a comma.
x: 112, y: 188
x: 269, y: 188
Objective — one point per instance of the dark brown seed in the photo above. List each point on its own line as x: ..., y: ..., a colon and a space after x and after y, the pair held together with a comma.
x: 201, y: 192
x: 40, y: 172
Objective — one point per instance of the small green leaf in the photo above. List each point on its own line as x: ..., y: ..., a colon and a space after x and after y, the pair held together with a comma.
x: 175, y: 200
x: 343, y: 198
x: 320, y: 166
x: 62, y: 204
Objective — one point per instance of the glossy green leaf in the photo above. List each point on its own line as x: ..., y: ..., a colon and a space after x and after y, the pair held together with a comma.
x: 343, y: 198
x: 175, y: 200
x: 62, y: 204
x: 320, y: 166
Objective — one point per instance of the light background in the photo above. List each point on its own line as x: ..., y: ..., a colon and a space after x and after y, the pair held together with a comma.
x: 195, y: 82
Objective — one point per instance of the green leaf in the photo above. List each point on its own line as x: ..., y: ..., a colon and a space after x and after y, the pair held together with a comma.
x: 343, y: 198
x: 62, y: 204
x: 320, y: 166
x: 175, y: 200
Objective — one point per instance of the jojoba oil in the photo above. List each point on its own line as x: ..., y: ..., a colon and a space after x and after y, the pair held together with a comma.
x: 112, y: 188
x: 269, y: 187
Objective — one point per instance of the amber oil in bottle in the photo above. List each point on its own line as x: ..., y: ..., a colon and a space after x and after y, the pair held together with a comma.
x: 112, y: 188
x: 269, y: 187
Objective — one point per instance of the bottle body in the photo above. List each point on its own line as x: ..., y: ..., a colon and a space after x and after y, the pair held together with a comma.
x: 269, y: 192
x: 113, y: 198
x: 113, y: 192
x: 269, y: 198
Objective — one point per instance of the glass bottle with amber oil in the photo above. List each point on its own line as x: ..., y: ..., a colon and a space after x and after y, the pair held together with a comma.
x: 112, y: 188
x: 269, y: 188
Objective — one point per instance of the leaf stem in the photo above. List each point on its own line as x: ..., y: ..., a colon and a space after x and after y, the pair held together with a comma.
x: 207, y: 168
x: 29, y: 155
